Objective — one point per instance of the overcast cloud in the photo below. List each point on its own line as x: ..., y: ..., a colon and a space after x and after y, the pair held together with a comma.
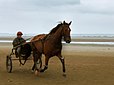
x: 40, y: 16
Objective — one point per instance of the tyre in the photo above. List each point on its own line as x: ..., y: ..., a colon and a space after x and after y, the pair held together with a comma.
x: 8, y: 64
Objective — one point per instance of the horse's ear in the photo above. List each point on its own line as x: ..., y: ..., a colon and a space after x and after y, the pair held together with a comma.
x: 70, y: 22
x: 64, y: 22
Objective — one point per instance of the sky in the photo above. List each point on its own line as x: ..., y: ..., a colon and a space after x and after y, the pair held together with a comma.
x: 40, y: 16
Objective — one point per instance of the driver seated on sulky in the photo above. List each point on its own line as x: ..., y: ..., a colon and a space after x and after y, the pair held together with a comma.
x: 18, y: 41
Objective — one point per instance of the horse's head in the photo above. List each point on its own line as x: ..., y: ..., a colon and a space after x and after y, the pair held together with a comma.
x: 66, y: 31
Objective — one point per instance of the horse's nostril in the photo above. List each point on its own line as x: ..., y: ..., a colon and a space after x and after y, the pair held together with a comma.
x: 68, y: 41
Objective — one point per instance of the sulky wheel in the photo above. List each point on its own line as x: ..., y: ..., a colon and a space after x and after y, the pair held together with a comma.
x: 8, y: 64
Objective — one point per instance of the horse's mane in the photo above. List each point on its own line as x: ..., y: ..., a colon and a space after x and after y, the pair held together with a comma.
x: 55, y: 28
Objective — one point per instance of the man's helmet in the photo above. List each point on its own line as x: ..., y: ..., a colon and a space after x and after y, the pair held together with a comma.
x: 19, y: 33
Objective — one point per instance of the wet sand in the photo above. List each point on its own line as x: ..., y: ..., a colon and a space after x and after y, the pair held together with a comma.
x: 85, y: 65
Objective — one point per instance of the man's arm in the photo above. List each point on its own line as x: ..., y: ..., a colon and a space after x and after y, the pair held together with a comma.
x: 15, y: 42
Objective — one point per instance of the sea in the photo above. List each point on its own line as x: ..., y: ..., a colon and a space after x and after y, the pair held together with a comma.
x: 4, y: 37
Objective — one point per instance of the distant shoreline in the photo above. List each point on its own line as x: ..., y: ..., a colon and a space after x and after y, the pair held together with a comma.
x: 93, y: 39
x: 75, y: 39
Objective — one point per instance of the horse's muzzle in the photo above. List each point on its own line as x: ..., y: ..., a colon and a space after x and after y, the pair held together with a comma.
x: 68, y: 41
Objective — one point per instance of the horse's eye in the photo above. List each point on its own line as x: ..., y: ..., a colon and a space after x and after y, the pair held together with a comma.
x: 65, y: 30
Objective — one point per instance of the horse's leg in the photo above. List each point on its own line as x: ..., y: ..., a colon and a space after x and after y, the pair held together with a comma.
x: 63, y: 63
x: 46, y: 64
x: 35, y: 59
x: 33, y: 67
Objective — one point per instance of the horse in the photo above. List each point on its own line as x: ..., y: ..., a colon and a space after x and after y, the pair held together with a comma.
x: 51, y: 45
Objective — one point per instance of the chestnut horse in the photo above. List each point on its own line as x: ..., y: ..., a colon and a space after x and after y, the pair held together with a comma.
x: 51, y: 44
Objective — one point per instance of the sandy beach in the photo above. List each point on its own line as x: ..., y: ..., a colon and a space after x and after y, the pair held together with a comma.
x: 85, y: 65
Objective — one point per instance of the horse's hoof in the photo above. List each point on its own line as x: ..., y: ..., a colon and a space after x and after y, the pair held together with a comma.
x: 22, y: 64
x: 36, y: 72
x: 41, y: 70
x: 32, y: 71
x: 64, y: 74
